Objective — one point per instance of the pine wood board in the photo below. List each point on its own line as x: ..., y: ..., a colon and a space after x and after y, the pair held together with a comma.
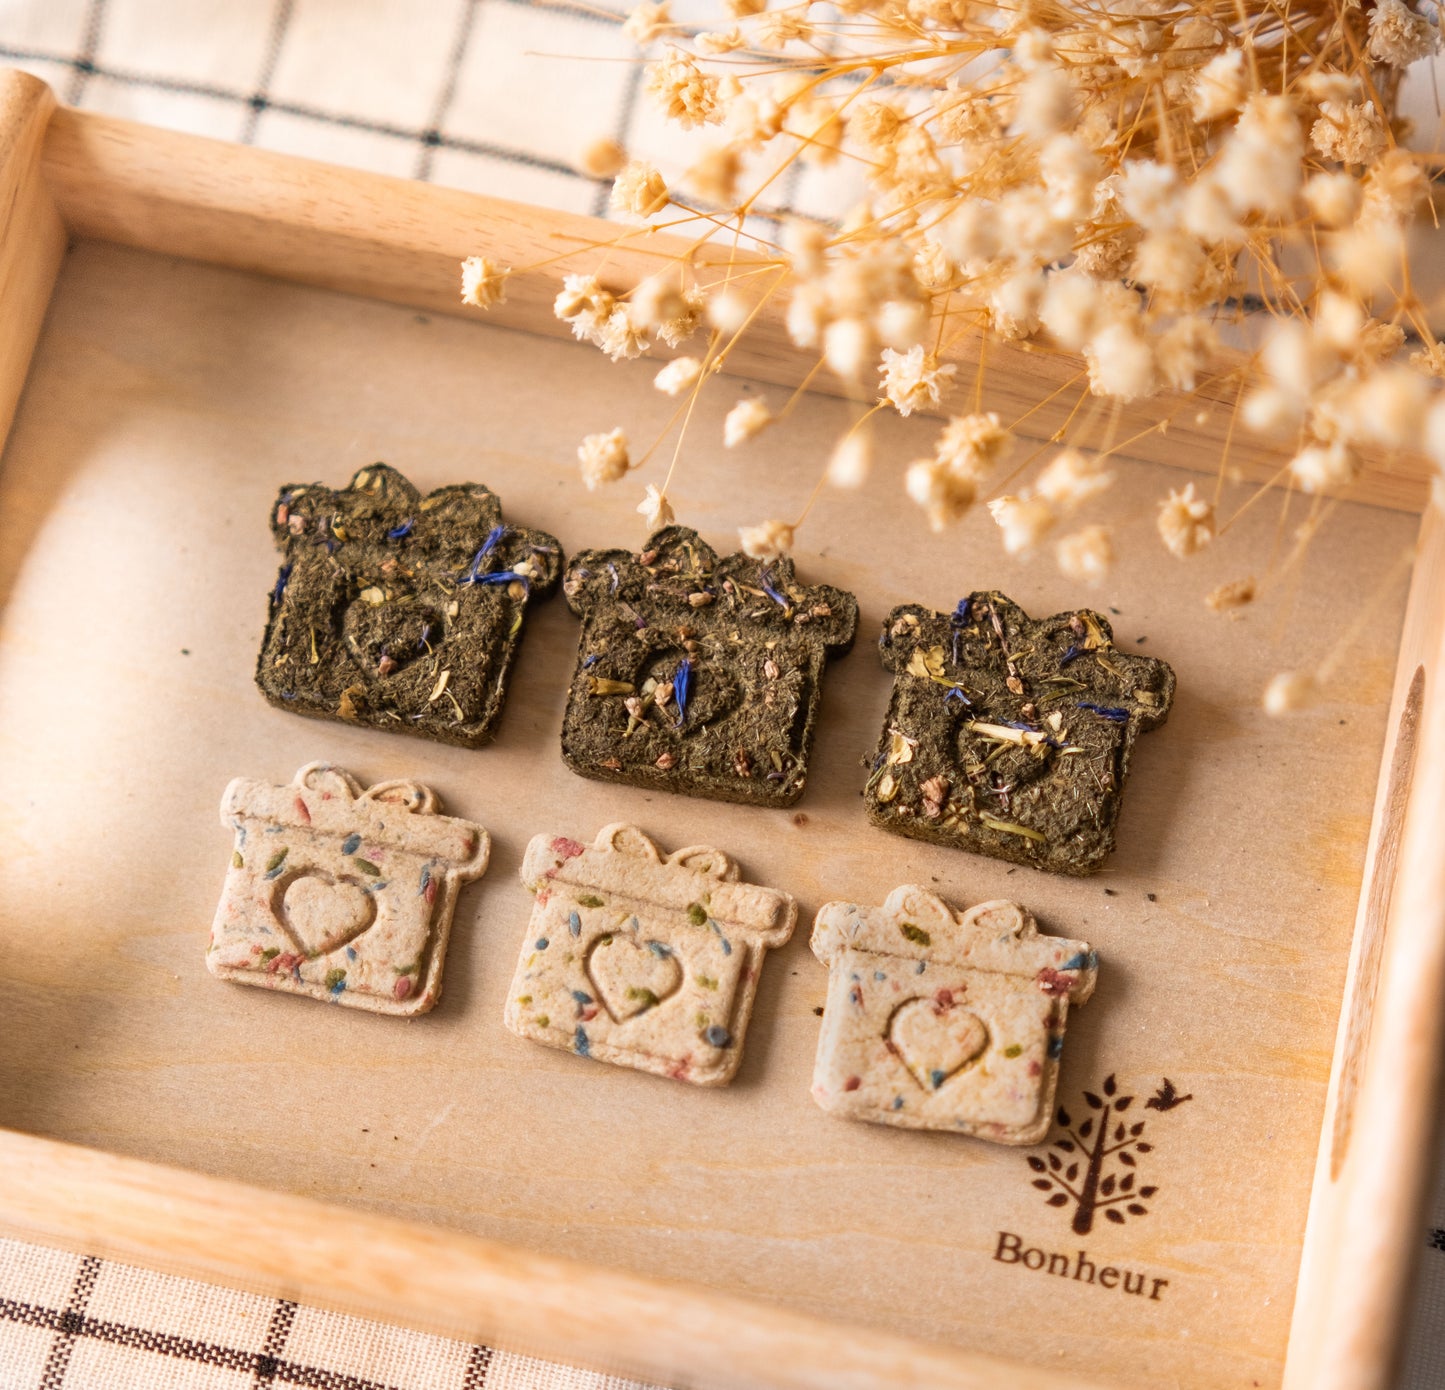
x: 395, y: 239
x: 778, y: 1247
x: 166, y: 404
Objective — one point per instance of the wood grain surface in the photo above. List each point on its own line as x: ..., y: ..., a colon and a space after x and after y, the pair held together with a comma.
x: 167, y: 403
x: 1376, y: 1156
x: 403, y: 241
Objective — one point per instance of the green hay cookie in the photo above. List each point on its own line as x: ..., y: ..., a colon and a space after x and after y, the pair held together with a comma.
x: 696, y: 674
x: 398, y: 611
x: 1008, y: 736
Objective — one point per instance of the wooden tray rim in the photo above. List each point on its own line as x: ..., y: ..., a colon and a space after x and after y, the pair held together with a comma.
x: 67, y: 174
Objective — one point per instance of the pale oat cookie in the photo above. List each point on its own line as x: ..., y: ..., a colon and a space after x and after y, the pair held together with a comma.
x: 940, y: 1020
x: 645, y: 961
x: 340, y: 893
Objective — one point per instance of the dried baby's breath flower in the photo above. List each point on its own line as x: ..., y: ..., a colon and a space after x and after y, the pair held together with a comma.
x: 719, y: 41
x: 1208, y: 212
x: 1289, y: 691
x: 973, y: 444
x: 1429, y: 360
x: 1184, y: 350
x: 1071, y: 172
x: 1387, y: 407
x: 901, y: 324
x: 584, y: 304
x: 851, y: 459
x: 1220, y: 87
x: 769, y: 540
x: 913, y: 380
x: 848, y: 347
x: 685, y: 92
x: 728, y: 311
x: 1395, y: 186
x: 657, y: 300
x: 806, y: 243
x: 1186, y: 522
x: 1378, y: 341
x: 1397, y: 36
x: 603, y: 458
x: 1351, y: 132
x: 1338, y: 321
x: 483, y: 282
x: 1023, y: 521
x: 656, y: 509
x: 875, y: 124
x: 1045, y: 103
x: 1013, y: 304
x: 1121, y: 362
x: 1070, y: 479
x: 1124, y: 179
x: 714, y: 178
x: 1149, y: 193
x: 639, y: 189
x: 1271, y: 411
x: 1322, y: 467
x: 682, y: 324
x: 1087, y: 555
x: 1320, y: 85
x: 1297, y: 360
x: 779, y: 28
x: 647, y: 21
x: 1075, y: 306
x: 602, y: 158
x: 744, y: 420
x: 945, y: 493
x: 620, y: 337
x: 582, y: 294
x: 1260, y: 163
x: 1171, y: 263
x: 678, y: 375
x: 1228, y: 598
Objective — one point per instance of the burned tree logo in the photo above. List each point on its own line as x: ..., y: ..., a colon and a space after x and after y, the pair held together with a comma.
x: 1094, y: 1164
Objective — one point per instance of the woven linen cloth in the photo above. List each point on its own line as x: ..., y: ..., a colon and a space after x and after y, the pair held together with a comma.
x: 500, y: 97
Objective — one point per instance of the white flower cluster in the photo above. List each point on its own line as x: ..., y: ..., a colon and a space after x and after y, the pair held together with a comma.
x: 1104, y: 179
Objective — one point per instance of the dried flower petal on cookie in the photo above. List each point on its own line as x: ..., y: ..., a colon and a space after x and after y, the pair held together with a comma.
x: 1020, y: 731
x: 698, y: 673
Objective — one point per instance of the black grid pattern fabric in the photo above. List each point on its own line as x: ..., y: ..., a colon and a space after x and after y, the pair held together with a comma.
x: 495, y: 96
x: 77, y: 1323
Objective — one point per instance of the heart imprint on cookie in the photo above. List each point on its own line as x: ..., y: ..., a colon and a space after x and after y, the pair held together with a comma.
x: 632, y: 976
x: 387, y: 637
x: 321, y: 913
x: 934, y: 1041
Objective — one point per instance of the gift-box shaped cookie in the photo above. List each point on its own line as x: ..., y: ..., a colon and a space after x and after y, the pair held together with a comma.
x: 1011, y: 736
x: 339, y: 893
x: 643, y: 960
x: 697, y: 674
x: 399, y: 611
x: 944, y: 1020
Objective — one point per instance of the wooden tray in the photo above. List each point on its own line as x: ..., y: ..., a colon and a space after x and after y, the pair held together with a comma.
x: 186, y: 355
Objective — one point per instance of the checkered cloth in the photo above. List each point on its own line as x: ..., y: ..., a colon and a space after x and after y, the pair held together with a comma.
x: 88, y: 1324
x: 499, y: 96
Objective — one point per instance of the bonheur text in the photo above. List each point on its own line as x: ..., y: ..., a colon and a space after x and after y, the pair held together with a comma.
x: 1011, y: 1250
